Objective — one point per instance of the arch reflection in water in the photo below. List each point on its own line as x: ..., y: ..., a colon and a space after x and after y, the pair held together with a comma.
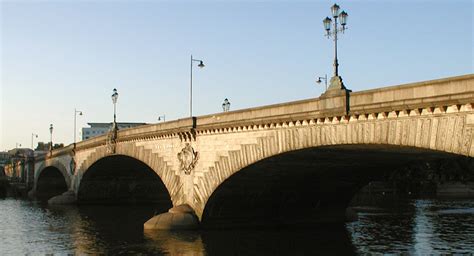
x: 175, y: 242
x: 253, y: 242
x: 331, y: 241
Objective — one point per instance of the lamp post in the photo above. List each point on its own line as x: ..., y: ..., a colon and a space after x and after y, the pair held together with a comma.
x: 50, y: 137
x: 114, y: 100
x: 162, y: 118
x: 336, y: 80
x: 226, y: 105
x: 17, y: 145
x: 200, y: 65
x: 112, y: 134
x: 75, y: 115
x: 33, y: 135
x: 325, y: 78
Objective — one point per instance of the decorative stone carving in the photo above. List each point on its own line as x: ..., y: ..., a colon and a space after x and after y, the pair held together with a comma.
x: 188, y: 135
x: 188, y: 158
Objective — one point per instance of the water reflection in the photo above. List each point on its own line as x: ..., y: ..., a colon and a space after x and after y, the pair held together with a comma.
x: 176, y: 242
x: 450, y: 226
x: 278, y: 242
x: 421, y: 227
x: 111, y: 229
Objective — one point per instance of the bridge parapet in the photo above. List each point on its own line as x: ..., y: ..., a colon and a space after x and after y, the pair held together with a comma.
x: 435, y: 96
x: 56, y: 153
x: 435, y: 93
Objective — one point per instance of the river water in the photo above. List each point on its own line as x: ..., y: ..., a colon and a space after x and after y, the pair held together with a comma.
x: 417, y: 227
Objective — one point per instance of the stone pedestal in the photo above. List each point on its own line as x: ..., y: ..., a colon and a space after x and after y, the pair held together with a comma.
x: 335, y: 100
x: 336, y: 88
x: 68, y: 197
x: 181, y: 217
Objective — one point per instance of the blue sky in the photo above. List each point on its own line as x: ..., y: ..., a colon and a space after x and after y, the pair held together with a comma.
x: 61, y: 55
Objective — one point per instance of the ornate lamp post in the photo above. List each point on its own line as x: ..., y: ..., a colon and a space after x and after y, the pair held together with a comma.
x: 33, y: 135
x: 75, y: 116
x: 112, y: 135
x: 336, y: 80
x: 51, y: 137
x: 226, y: 105
x: 200, y: 65
x: 114, y: 100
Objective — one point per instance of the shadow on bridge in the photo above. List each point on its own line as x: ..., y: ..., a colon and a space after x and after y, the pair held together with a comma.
x: 121, y: 179
x: 308, y: 186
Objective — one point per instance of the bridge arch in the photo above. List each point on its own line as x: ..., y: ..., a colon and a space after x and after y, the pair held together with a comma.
x: 120, y: 179
x: 306, y: 186
x: 52, y: 179
x: 445, y: 131
x: 145, y: 159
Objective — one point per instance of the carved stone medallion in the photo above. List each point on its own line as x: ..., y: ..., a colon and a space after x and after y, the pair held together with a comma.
x: 188, y: 158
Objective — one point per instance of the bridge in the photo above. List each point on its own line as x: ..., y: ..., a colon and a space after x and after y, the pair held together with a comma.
x: 287, y: 163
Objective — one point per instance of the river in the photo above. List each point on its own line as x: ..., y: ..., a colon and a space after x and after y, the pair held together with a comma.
x: 417, y: 227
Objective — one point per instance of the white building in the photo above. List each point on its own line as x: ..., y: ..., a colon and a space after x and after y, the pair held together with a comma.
x: 97, y: 129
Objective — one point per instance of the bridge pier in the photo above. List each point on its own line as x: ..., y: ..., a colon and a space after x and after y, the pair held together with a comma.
x: 68, y: 197
x: 181, y: 217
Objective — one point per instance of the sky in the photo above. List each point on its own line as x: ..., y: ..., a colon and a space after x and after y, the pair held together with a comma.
x: 57, y: 56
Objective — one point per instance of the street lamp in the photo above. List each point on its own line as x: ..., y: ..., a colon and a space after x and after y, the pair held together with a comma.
x: 325, y: 78
x: 114, y: 100
x: 162, y: 118
x: 200, y: 65
x: 51, y: 137
x: 112, y: 135
x: 75, y: 115
x: 17, y: 145
x: 226, y: 105
x: 336, y: 80
x: 33, y: 135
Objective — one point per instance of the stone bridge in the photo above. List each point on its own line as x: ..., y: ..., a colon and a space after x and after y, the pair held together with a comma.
x: 286, y: 163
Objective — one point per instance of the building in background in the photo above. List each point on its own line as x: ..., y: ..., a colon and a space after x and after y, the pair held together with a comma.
x: 97, y: 129
x: 4, y: 160
x: 21, y: 166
